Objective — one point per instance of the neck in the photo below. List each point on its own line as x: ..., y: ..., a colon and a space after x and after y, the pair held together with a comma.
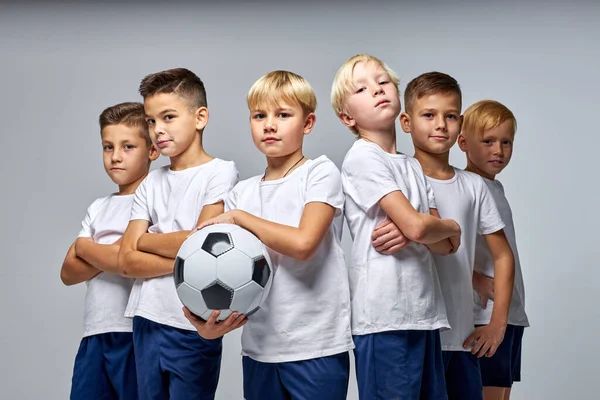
x: 435, y: 166
x: 193, y: 156
x: 384, y: 138
x: 131, y: 187
x: 277, y: 167
x: 473, y: 168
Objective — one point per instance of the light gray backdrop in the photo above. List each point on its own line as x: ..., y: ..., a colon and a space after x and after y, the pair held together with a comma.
x: 62, y: 64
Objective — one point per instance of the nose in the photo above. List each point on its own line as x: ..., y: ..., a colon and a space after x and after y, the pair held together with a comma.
x: 117, y: 156
x: 440, y: 123
x: 158, y: 128
x: 498, y: 149
x: 378, y: 90
x: 270, y: 125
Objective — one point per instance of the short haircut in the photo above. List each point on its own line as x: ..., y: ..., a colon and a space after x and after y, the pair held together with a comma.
x: 428, y: 84
x: 343, y: 82
x: 485, y: 115
x: 130, y: 114
x: 282, y: 86
x: 180, y: 81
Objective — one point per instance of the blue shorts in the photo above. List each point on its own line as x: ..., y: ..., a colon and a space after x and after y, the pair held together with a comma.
x: 504, y: 367
x: 323, y: 378
x: 174, y: 363
x: 400, y: 365
x: 463, y: 375
x: 105, y: 368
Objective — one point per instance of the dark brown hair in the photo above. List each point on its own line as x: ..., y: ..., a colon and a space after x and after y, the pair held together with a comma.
x: 177, y: 80
x: 130, y: 114
x: 428, y: 84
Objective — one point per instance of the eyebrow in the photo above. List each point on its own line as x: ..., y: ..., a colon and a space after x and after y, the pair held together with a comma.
x: 435, y: 109
x: 163, y: 112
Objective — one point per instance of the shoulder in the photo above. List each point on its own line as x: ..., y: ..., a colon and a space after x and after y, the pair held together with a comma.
x: 97, y: 205
x: 243, y: 185
x: 322, y: 164
x: 223, y: 165
x: 470, y: 178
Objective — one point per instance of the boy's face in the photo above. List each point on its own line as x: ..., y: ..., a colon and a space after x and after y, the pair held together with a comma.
x: 374, y: 104
x: 278, y: 131
x: 491, y: 153
x: 172, y: 123
x: 434, y: 122
x: 126, y: 154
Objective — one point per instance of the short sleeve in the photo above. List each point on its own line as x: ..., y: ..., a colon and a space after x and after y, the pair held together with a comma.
x: 367, y: 176
x: 140, y: 208
x: 430, y: 195
x: 231, y: 200
x: 86, y: 224
x: 223, y: 179
x: 324, y: 184
x: 490, y: 220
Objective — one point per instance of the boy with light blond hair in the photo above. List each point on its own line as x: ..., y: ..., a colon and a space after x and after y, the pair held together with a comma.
x: 397, y: 304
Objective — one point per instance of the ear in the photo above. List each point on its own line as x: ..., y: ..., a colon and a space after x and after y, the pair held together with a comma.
x: 346, y: 119
x: 201, y: 116
x: 462, y: 143
x: 154, y: 153
x: 309, y: 123
x: 405, y: 123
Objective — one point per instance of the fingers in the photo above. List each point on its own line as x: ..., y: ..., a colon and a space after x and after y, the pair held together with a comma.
x: 392, y: 245
x: 491, y: 351
x: 484, y: 301
x: 471, y: 339
x: 383, y: 224
x: 485, y: 346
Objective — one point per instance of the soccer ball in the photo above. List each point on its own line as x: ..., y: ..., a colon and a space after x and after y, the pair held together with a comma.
x: 222, y: 267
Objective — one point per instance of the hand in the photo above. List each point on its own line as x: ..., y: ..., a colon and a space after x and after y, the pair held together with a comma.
x: 484, y: 286
x: 455, y: 242
x: 212, y: 329
x: 387, y: 238
x: 225, y: 218
x: 485, y: 339
x: 79, y: 241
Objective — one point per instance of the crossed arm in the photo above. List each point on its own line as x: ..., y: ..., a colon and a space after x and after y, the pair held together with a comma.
x: 149, y: 255
x: 85, y: 259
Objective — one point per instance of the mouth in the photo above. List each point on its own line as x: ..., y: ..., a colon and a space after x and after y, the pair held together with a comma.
x: 117, y: 169
x: 271, y: 139
x: 382, y: 103
x: 496, y: 163
x: 438, y: 137
x: 163, y: 143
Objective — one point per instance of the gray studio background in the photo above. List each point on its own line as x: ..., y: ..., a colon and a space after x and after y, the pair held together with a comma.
x: 62, y: 64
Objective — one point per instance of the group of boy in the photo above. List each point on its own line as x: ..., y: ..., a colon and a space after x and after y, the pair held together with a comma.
x: 430, y: 300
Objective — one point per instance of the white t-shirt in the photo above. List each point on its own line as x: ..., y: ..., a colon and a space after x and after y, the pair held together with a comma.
x: 389, y: 292
x: 485, y: 264
x: 466, y: 199
x: 107, y: 294
x: 172, y: 201
x: 307, y: 312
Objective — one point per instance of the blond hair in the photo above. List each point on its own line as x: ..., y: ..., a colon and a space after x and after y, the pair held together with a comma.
x: 485, y: 115
x: 130, y: 114
x: 343, y: 82
x: 278, y: 87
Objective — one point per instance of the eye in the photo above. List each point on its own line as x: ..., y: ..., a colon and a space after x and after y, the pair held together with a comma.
x: 150, y: 121
x: 283, y: 115
x: 169, y: 117
x: 107, y: 147
x: 360, y: 90
x: 258, y: 116
x: 507, y: 143
x: 384, y: 82
x: 487, y: 141
x: 428, y: 115
x: 129, y: 147
x: 452, y: 116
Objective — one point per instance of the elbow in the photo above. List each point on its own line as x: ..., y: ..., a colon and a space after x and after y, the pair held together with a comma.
x: 65, y: 278
x: 124, y: 263
x: 416, y: 231
x: 305, y: 250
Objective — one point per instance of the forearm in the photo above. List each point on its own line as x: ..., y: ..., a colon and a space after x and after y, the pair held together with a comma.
x: 504, y: 275
x: 75, y: 270
x: 431, y: 229
x: 162, y: 244
x: 442, y: 248
x: 287, y: 240
x: 138, y: 264
x: 101, y: 256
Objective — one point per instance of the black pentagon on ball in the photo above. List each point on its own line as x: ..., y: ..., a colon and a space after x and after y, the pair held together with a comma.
x: 261, y: 271
x: 217, y: 296
x: 178, y: 271
x: 217, y: 243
